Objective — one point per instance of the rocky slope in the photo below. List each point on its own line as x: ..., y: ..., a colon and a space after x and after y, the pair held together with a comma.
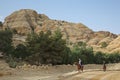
x: 114, y: 45
x: 26, y: 21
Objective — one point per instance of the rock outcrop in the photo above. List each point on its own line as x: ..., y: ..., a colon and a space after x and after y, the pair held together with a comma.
x: 26, y: 21
x: 114, y: 46
x: 23, y: 21
x: 102, y: 36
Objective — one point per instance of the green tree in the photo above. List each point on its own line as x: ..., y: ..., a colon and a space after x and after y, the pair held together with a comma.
x: 6, y: 41
x: 81, y: 50
x: 34, y: 44
x: 47, y: 48
x: 67, y: 56
x: 114, y: 58
x: 58, y: 47
x: 100, y: 57
x: 20, y: 52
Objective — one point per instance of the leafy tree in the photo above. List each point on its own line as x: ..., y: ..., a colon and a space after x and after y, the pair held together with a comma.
x: 58, y: 47
x: 89, y: 54
x: 76, y: 54
x: 81, y: 50
x: 47, y: 48
x: 114, y: 58
x: 100, y: 57
x: 20, y: 52
x: 6, y: 41
x: 67, y: 56
x: 34, y: 42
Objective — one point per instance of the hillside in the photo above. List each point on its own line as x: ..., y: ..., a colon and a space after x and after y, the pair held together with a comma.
x: 25, y: 21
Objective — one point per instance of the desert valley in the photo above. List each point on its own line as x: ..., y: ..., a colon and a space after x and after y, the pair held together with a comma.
x: 27, y: 21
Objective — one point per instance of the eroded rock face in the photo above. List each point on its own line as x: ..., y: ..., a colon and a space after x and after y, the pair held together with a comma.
x: 101, y: 36
x: 26, y: 21
x: 114, y: 46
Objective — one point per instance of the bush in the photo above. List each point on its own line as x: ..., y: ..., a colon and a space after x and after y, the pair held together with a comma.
x: 104, y: 44
x: 12, y: 64
x: 1, y: 24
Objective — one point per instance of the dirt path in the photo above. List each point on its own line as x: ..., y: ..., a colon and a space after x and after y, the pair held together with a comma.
x: 101, y: 76
x: 93, y: 75
x: 112, y: 76
x: 60, y: 72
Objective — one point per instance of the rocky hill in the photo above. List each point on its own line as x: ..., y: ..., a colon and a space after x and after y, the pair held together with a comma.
x: 26, y: 21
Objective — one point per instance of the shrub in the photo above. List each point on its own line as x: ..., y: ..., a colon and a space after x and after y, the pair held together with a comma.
x: 12, y: 64
x: 104, y: 44
x: 1, y: 24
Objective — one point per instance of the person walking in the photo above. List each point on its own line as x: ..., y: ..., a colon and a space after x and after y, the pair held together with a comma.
x: 104, y: 66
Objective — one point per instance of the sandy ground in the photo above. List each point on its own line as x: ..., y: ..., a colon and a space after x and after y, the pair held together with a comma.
x: 60, y: 72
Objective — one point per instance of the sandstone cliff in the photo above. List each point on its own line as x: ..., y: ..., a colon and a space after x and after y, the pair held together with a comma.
x: 26, y: 21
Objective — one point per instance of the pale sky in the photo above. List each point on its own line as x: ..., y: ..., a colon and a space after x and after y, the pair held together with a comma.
x: 96, y: 14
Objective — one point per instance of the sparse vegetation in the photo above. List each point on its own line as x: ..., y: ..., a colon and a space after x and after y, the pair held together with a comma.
x: 14, y: 31
x: 104, y: 44
x: 12, y: 62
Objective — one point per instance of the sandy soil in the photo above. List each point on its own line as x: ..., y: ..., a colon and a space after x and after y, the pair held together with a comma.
x: 59, y: 72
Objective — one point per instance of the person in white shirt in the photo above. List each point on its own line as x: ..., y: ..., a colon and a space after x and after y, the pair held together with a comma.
x: 80, y: 61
